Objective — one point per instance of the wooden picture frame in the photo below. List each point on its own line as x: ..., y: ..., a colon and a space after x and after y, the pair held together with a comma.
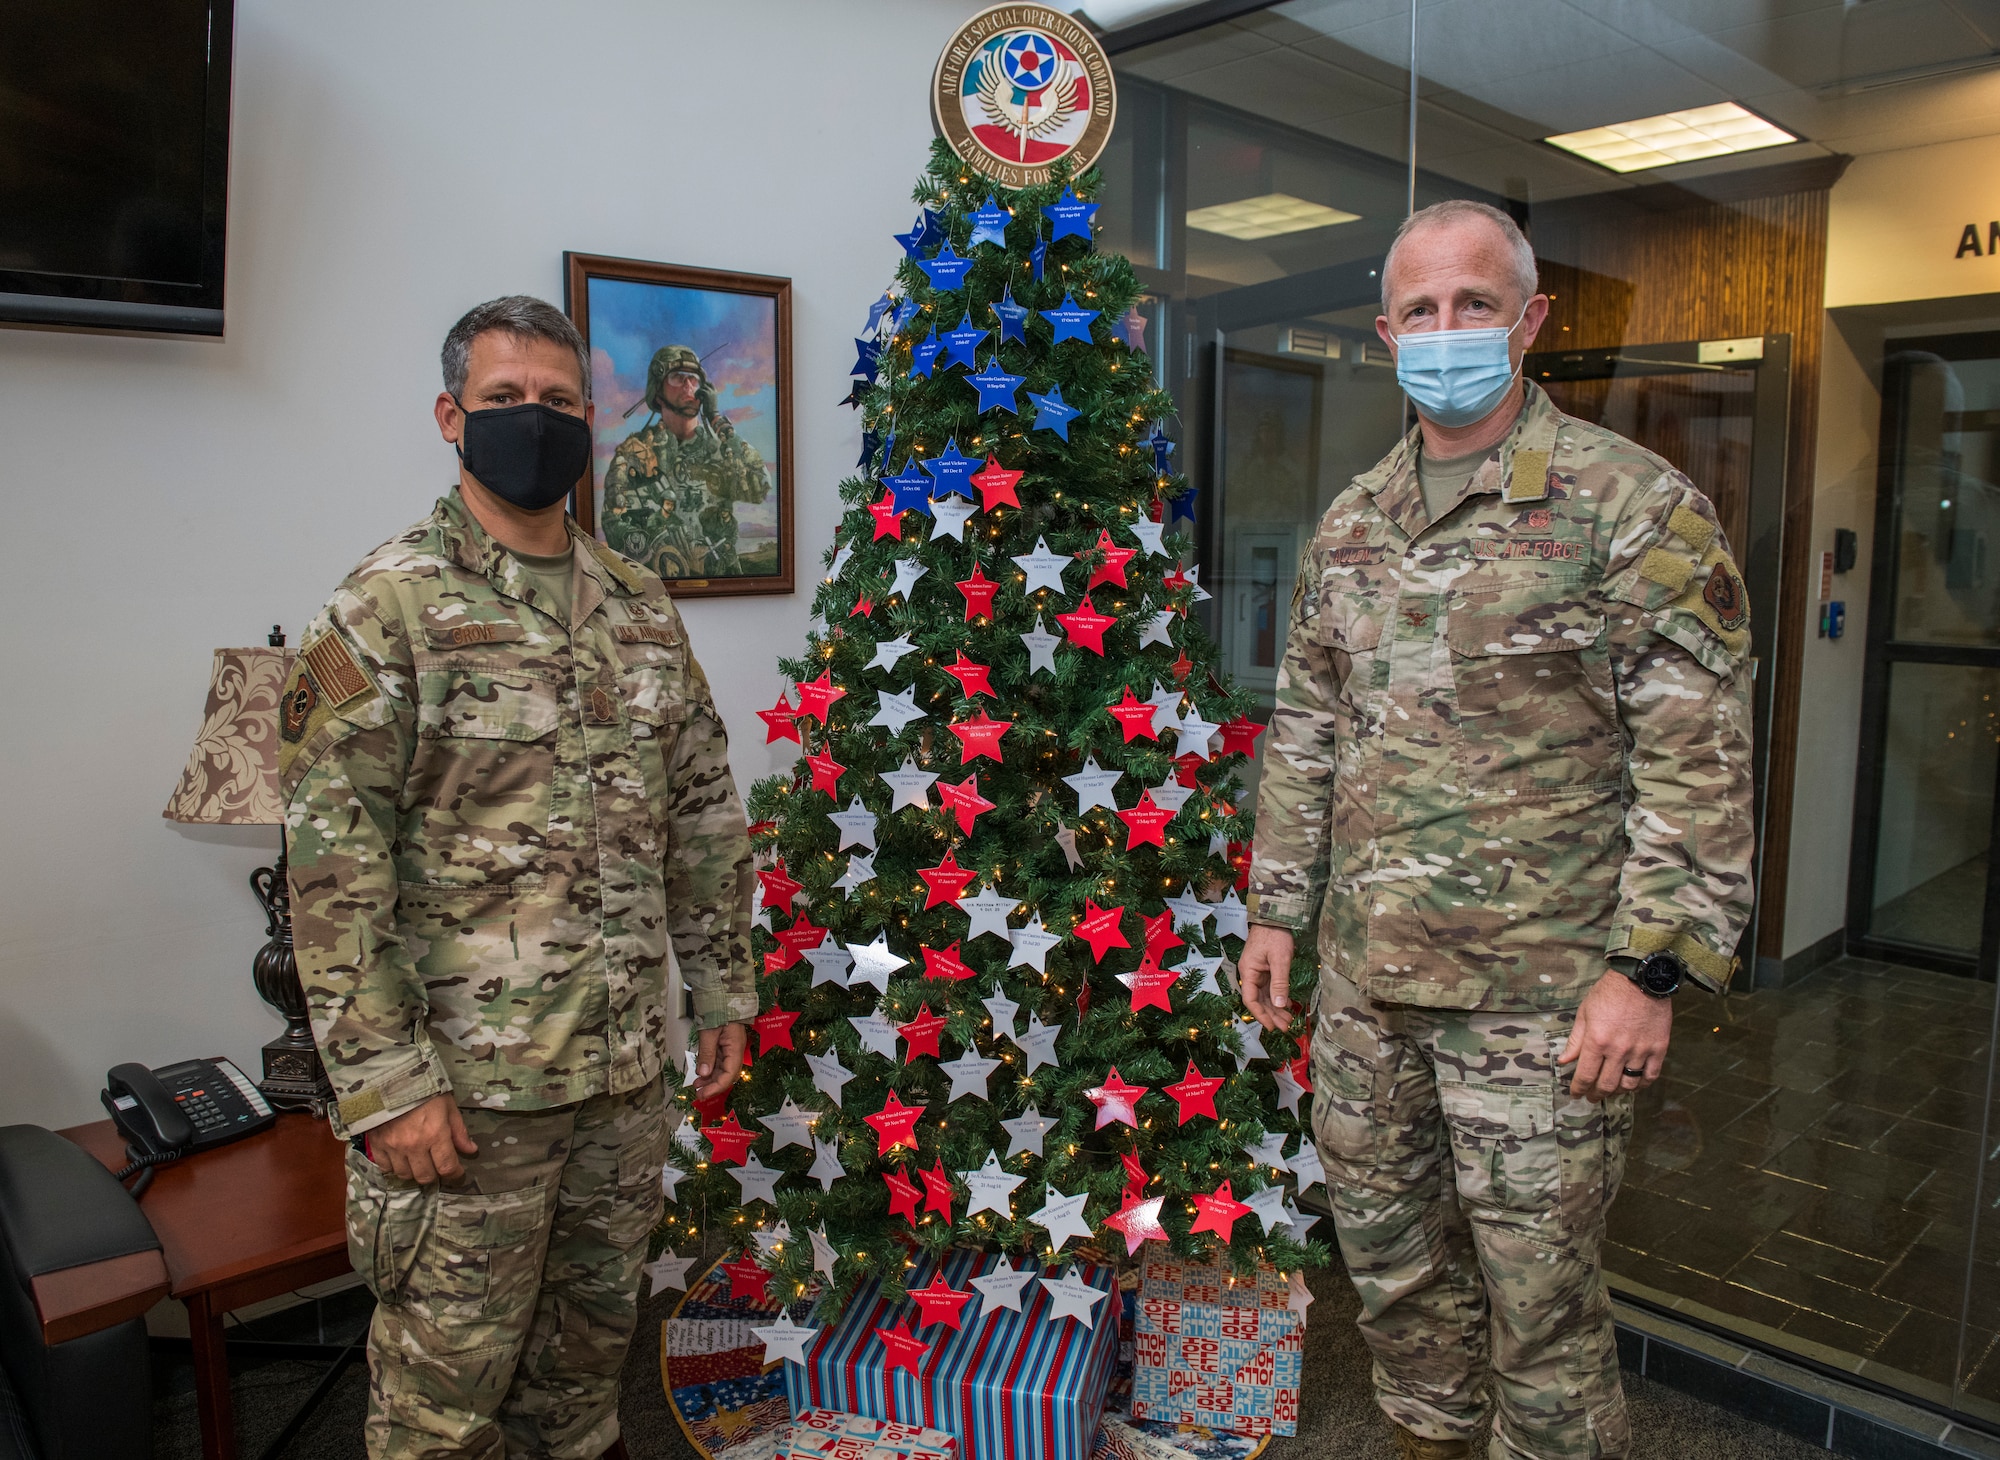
x: 697, y: 522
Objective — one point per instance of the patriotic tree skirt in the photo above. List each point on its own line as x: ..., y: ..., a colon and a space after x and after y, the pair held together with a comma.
x: 733, y: 1407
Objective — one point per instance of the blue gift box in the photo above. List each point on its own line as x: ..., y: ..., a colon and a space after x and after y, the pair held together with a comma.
x: 1006, y: 1385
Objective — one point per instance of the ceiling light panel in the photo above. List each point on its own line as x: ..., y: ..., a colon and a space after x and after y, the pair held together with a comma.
x: 1683, y: 136
x: 1266, y: 217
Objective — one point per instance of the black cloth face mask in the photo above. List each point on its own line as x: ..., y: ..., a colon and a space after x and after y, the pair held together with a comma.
x: 530, y: 455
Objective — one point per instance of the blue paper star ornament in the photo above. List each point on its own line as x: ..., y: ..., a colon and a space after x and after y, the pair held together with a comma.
x: 1013, y: 317
x: 960, y: 343
x: 946, y: 270
x: 1052, y: 412
x: 952, y: 471
x: 1072, y: 322
x: 1071, y: 216
x: 996, y: 387
x: 989, y: 225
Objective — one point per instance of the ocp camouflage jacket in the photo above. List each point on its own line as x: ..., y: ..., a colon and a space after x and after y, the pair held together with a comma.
x: 497, y: 822
x: 1517, y: 740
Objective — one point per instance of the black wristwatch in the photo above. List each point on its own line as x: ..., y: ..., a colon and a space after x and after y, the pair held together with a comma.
x: 1659, y: 975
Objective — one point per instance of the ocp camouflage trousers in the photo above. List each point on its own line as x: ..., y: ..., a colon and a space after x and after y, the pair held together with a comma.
x: 507, y: 1298
x: 1469, y: 1191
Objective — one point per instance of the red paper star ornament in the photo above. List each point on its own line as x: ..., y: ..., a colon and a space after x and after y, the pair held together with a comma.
x: 774, y: 1029
x: 895, y: 1123
x: 972, y: 678
x: 1100, y: 930
x: 1085, y: 627
x: 922, y: 1033
x: 888, y: 521
x: 780, y: 722
x: 1195, y: 1093
x: 964, y: 799
x: 1135, y: 1177
x: 1112, y: 568
x: 937, y: 1191
x: 826, y: 773
x: 947, y: 881
x: 863, y: 606
x: 729, y: 1142
x: 940, y: 1302
x: 1151, y: 985
x: 903, y: 1196
x: 1217, y: 1212
x: 817, y: 696
x: 1115, y: 1101
x: 1146, y: 823
x: 1182, y: 668
x: 1239, y: 736
x: 779, y: 887
x: 1186, y: 768
x: 746, y: 1278
x: 906, y: 1350
x: 801, y: 937
x: 996, y: 484
x: 1140, y: 1222
x: 981, y: 736
x: 945, y: 963
x: 1134, y: 716
x: 978, y: 591
x: 1160, y: 934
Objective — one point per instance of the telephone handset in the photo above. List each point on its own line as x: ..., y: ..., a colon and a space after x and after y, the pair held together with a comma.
x: 169, y: 1112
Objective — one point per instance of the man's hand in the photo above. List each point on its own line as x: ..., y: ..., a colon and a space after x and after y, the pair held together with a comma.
x: 423, y: 1144
x: 1618, y: 1029
x: 718, y: 1059
x: 1265, y: 970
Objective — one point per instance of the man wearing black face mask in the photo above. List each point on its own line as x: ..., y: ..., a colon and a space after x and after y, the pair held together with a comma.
x: 509, y: 792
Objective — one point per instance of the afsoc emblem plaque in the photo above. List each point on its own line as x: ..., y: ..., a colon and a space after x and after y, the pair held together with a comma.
x: 1019, y: 88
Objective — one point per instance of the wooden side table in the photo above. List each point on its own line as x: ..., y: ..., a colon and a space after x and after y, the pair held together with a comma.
x: 237, y: 1225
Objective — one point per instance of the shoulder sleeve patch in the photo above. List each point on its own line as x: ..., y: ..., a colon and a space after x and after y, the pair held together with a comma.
x: 335, y: 673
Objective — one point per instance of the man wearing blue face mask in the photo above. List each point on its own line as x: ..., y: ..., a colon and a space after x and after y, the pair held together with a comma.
x: 1508, y: 789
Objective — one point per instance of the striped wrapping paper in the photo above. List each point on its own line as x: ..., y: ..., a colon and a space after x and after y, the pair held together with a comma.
x: 1008, y: 1386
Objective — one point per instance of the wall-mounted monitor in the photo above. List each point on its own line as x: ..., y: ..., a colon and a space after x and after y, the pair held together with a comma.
x: 114, y: 163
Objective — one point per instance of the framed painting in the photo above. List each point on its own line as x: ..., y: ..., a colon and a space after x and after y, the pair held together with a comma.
x: 691, y: 453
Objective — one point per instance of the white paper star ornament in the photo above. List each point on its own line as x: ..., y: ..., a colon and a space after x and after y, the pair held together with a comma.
x: 970, y: 1073
x: 829, y: 1076
x: 857, y: 825
x: 789, y: 1125
x: 826, y: 1167
x: 1025, y: 1132
x: 1093, y: 785
x: 1001, y: 1288
x: 1071, y: 1297
x: 911, y: 785
x: 1062, y: 1217
x: 873, y: 962
x: 786, y: 1340
x: 1031, y: 945
x: 992, y: 1188
x: 668, y: 1271
x: 1044, y: 568
x: 1042, y: 646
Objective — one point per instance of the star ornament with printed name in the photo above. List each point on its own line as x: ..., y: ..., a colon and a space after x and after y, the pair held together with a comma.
x: 951, y: 471
x: 1152, y: 986
x: 997, y: 389
x: 1217, y: 1212
x: 989, y: 224
x: 946, y: 270
x: 910, y: 490
x: 780, y: 722
x: 1239, y: 736
x: 921, y: 1034
x: 947, y: 881
x: 972, y: 678
x: 961, y: 342
x: 903, y: 1196
x: 818, y: 696
x: 1013, y: 317
x: 1052, y: 412
x: 1160, y: 935
x: 978, y: 591
x: 905, y: 1349
x: 981, y: 736
x: 746, y: 1278
x: 1115, y: 1100
x: 1099, y: 928
x: 888, y: 517
x: 996, y: 484
x: 937, y: 1191
x: 944, y: 963
x: 1146, y: 823
x: 728, y: 1141
x: 896, y: 1123
x: 826, y: 773
x: 964, y: 800
x: 1134, y: 716
x: 1071, y: 216
x: 1140, y: 1222
x: 1085, y: 626
x: 923, y: 355
x: 1071, y: 321
x: 779, y: 887
x: 1195, y: 1094
x: 774, y: 1029
x: 940, y: 1302
x: 1112, y: 568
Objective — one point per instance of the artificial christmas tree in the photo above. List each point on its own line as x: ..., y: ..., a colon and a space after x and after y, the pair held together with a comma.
x: 998, y: 890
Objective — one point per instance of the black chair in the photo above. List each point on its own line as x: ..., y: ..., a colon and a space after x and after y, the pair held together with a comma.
x: 89, y: 1397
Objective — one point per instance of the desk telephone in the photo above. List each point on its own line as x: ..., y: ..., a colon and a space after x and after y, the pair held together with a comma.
x: 177, y: 1109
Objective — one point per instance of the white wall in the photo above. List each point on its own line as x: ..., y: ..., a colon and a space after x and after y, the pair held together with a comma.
x: 392, y: 165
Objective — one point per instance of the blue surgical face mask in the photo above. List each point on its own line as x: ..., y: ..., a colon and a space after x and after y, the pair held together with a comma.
x: 1455, y: 377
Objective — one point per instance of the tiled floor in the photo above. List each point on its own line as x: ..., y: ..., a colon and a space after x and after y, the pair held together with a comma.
x: 1809, y: 1162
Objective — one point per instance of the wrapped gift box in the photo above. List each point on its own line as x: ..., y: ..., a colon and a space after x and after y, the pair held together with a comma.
x: 1214, y: 1352
x: 1006, y: 1385
x: 826, y: 1434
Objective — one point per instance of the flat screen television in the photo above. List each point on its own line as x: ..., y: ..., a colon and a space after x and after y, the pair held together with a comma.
x: 114, y: 163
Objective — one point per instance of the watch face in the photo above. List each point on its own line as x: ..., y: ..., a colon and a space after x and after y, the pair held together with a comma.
x: 1661, y: 974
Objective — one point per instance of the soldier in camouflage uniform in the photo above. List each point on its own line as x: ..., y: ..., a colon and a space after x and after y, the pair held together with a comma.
x: 509, y: 795
x: 671, y: 491
x: 1510, y: 759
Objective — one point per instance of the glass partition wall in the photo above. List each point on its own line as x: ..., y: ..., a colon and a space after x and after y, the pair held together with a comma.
x: 1811, y: 1172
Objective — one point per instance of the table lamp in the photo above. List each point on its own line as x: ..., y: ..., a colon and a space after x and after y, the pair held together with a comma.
x: 232, y: 780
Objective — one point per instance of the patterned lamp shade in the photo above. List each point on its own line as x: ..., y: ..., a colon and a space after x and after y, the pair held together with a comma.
x: 232, y: 773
